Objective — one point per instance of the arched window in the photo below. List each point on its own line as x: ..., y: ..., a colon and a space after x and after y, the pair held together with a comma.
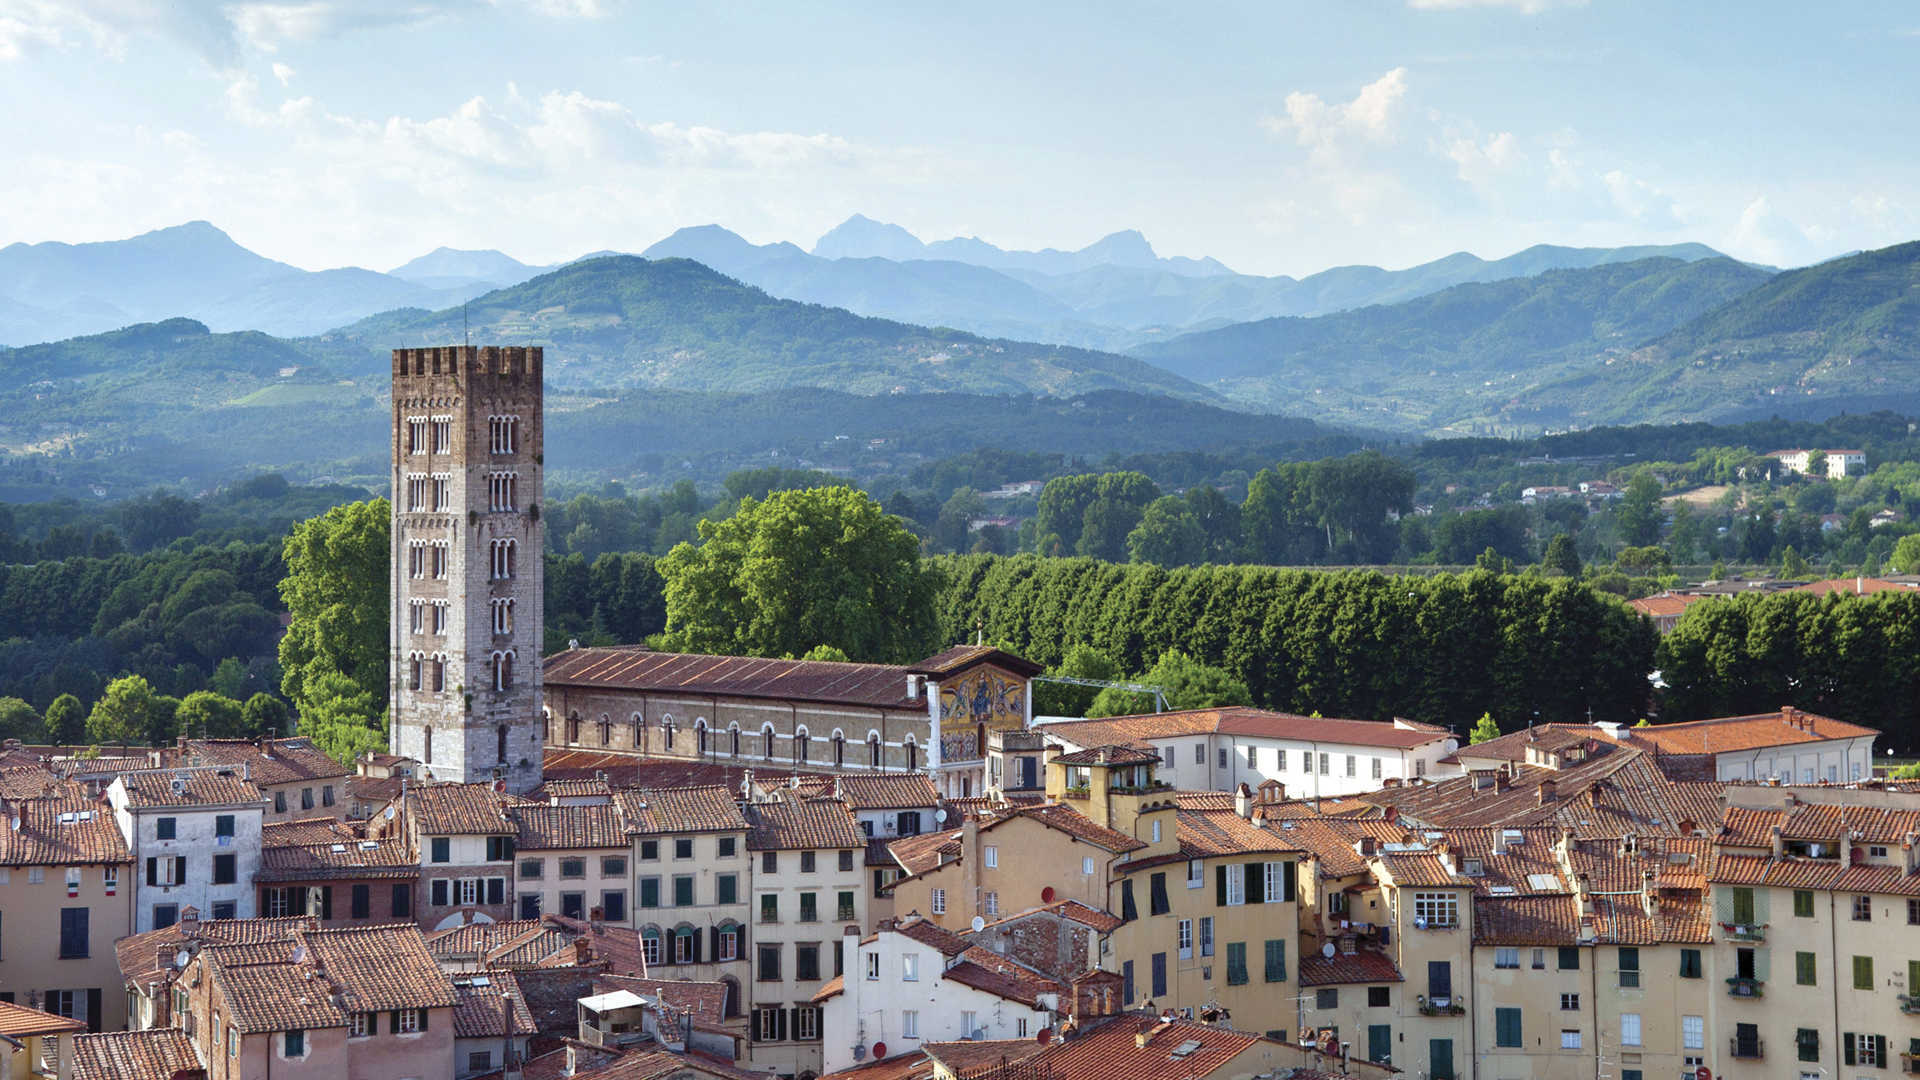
x: 666, y: 732
x: 726, y: 941
x: 733, y: 738
x: 414, y: 669
x: 504, y: 556
x: 873, y: 749
x: 606, y: 730
x: 839, y: 748
x: 573, y: 727
x: 913, y: 754
x: 686, y: 945
x: 439, y: 673
x: 650, y: 945
x: 700, y: 735
x: 802, y: 746
x: 639, y: 724
x: 503, y: 672
x: 730, y: 1006
x: 546, y: 724
x: 766, y: 742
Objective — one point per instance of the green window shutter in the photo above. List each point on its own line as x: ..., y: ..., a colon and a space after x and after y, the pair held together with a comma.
x: 1763, y: 964
x: 1236, y: 963
x: 1803, y: 903
x: 1804, y: 971
x: 1289, y: 881
x: 1863, y: 973
x: 1880, y: 1051
x: 423, y: 1019
x: 1506, y: 1027
x: 393, y: 1022
x: 1220, y: 886
x: 1256, y: 882
x: 1276, y: 960
x: 1846, y: 1048
x: 1913, y: 977
x: 1742, y: 905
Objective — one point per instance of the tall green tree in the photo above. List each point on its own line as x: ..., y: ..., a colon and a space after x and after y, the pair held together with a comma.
x: 19, y: 720
x: 822, y: 566
x: 1560, y: 556
x: 124, y: 713
x: 1065, y: 699
x: 1484, y: 730
x: 1187, y: 684
x: 264, y: 714
x: 206, y: 714
x: 66, y: 721
x: 1639, y: 513
x: 1168, y: 534
x: 336, y: 592
x: 345, y: 719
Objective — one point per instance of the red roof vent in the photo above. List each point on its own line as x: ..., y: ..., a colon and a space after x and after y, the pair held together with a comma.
x: 1044, y: 1037
x: 879, y: 1051
x: 1046, y: 895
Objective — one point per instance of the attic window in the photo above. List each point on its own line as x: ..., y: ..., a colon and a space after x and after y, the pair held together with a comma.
x: 1474, y: 868
x: 1512, y: 836
x: 1502, y: 890
x: 1434, y: 834
x: 1543, y: 882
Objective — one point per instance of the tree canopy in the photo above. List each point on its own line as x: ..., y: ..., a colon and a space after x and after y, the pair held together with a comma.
x: 335, y: 591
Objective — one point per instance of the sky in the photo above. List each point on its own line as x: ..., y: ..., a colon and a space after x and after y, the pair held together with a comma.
x: 1278, y: 137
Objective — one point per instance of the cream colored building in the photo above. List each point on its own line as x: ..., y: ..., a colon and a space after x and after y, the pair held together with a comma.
x: 66, y: 894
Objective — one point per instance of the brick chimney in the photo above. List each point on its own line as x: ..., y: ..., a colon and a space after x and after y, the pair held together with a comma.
x: 1549, y: 791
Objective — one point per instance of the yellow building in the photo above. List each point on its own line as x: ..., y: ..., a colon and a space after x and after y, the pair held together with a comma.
x: 66, y: 894
x: 1019, y: 858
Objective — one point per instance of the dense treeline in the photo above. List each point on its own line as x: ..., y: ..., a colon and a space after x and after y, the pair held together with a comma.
x: 1856, y: 658
x: 1441, y: 649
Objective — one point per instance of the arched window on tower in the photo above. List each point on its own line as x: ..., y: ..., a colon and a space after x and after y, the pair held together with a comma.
x: 802, y: 746
x: 839, y: 749
x: 639, y: 724
x: 666, y: 732
x: 606, y: 730
x: 426, y: 744
x: 733, y: 739
x: 913, y: 754
x: 873, y: 750
x: 700, y: 736
x: 573, y: 727
x: 766, y: 742
x: 503, y: 670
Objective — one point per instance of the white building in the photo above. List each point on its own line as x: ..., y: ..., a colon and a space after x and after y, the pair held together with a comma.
x: 195, y: 838
x: 1792, y: 746
x: 1314, y: 757
x: 808, y: 884
x: 912, y: 983
x: 1839, y: 462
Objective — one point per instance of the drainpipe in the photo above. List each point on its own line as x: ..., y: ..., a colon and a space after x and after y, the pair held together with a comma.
x: 1833, y: 946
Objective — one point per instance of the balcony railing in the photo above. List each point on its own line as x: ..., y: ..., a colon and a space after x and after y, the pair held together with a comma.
x: 1443, y: 1006
x: 1745, y: 931
x: 1746, y: 1049
x: 1909, y: 1062
x: 1745, y: 987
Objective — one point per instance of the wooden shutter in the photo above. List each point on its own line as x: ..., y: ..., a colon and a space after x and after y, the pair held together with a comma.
x: 1846, y: 1048
x: 423, y: 1019
x: 695, y: 935
x: 1256, y: 877
x: 326, y: 901
x: 179, y: 869
x: 1880, y: 1051
x: 1287, y: 880
x: 756, y: 1025
x: 1127, y: 910
x: 780, y: 1017
x: 93, y: 1009
x: 393, y: 1022
x: 153, y: 870
x: 1220, y: 886
x: 714, y: 934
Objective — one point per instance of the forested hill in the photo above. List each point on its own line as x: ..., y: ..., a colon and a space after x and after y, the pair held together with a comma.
x: 622, y: 321
x: 1460, y: 354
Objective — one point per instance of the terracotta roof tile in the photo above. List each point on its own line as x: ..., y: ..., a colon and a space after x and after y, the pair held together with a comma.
x: 654, y: 811
x: 584, y: 787
x: 66, y: 829
x: 1210, y: 833
x: 380, y: 967
x: 148, y: 957
x: 912, y: 1065
x: 198, y: 787
x: 828, y: 682
x: 546, y: 828
x: 29, y: 781
x: 491, y: 1005
x: 154, y: 1054
x: 1621, y: 789
x: 319, y: 830
x: 390, y: 858
x: 919, y: 854
x: 994, y: 974
x: 1072, y: 822
x: 706, y: 1000
x: 1526, y: 920
x: 275, y: 996
x: 1421, y: 869
x: 20, y: 1021
x: 1731, y: 733
x: 1108, y: 1051
x: 1072, y: 910
x: 961, y: 657
x: 474, y: 940
x: 1108, y: 755
x: 1240, y: 720
x: 887, y: 791
x: 626, y: 769
x: 794, y: 823
x: 1340, y: 969
x: 928, y: 933
x: 269, y: 762
x: 461, y: 809
x: 964, y: 1058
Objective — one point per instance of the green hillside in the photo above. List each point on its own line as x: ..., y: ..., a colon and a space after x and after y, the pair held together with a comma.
x: 1843, y: 334
x: 1455, y: 357
x: 622, y: 321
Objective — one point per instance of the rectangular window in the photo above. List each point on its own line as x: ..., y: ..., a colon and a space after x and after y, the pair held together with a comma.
x: 1506, y: 1027
x: 1629, y: 1029
x: 809, y: 907
x: 1803, y: 903
x: 1280, y: 761
x: 1199, y: 753
x: 441, y: 849
x: 806, y: 962
x: 613, y: 905
x: 991, y: 855
x: 1913, y: 912
x: 768, y: 969
x: 224, y: 871
x: 1183, y: 938
x: 1276, y: 960
x: 1506, y: 957
x: 910, y: 1023
x: 1569, y: 1002
x: 1379, y: 997
x: 1569, y: 958
x: 1863, y: 909
x: 1690, y: 964
x: 163, y: 828
x: 1569, y: 1039
x: 1804, y: 969
x: 1376, y: 768
x: 769, y: 907
x: 683, y: 890
x: 726, y: 888
x: 1433, y: 910
x: 1157, y: 902
x: 1236, y: 963
x: 939, y: 901
x: 1863, y: 973
x: 362, y: 901
x: 1629, y: 967
x: 769, y: 862
x: 990, y: 904
x: 1693, y: 1033
x: 74, y: 938
x: 1236, y: 885
x: 1743, y: 905
x: 1206, y: 935
x: 1807, y: 1042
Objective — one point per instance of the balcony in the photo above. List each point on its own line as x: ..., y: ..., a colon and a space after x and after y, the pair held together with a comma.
x: 1744, y: 931
x: 1909, y: 1063
x: 1746, y: 987
x: 1443, y: 1006
x: 1746, y: 1049
x: 1910, y: 1004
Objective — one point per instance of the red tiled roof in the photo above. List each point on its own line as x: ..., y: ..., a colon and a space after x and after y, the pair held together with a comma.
x: 1854, y: 586
x: 154, y: 1054
x: 963, y: 1058
x: 919, y: 854
x: 548, y: 828
x: 270, y: 762
x: 198, y: 787
x: 1421, y: 869
x: 65, y: 829
x: 706, y: 1000
x: 389, y: 858
x: 1666, y: 605
x: 18, y: 1020
x: 1242, y: 720
x: 794, y: 823
x: 148, y: 957
x: 1072, y: 822
x: 491, y: 1005
x: 653, y: 811
x: 1730, y: 733
x: 461, y: 809
x: 379, y: 967
x: 319, y: 830
x: 880, y: 686
x: 1212, y: 833
x: 1340, y: 969
x: 994, y: 974
x: 1108, y: 755
x: 887, y: 791
x: 959, y: 658
x: 1109, y: 1052
x: 1526, y: 920
x: 1072, y: 910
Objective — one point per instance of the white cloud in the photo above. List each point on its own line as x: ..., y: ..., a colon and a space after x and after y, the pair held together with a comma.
x: 1523, y: 7
x: 1327, y: 130
x: 1765, y: 235
x: 1640, y: 201
x: 282, y: 72
x: 1483, y: 163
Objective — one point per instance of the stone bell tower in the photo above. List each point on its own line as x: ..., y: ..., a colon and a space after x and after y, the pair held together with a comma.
x: 467, y: 582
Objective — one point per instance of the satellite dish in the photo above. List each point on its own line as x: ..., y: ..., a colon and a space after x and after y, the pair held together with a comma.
x: 389, y: 812
x: 977, y: 1034
x: 940, y: 816
x: 180, y: 958
x: 1328, y: 950
x: 979, y: 924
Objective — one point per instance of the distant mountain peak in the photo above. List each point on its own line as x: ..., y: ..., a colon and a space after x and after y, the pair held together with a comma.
x: 861, y: 237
